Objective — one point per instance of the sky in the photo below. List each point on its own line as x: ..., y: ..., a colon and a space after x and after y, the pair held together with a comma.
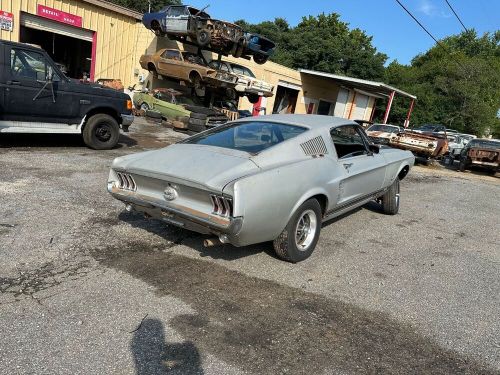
x: 394, y: 32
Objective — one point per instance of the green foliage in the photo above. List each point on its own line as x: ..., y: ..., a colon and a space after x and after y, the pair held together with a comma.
x: 322, y: 43
x: 142, y: 5
x: 458, y: 86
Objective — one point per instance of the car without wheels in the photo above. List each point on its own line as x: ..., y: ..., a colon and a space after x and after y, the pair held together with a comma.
x: 247, y: 85
x: 188, y: 67
x: 272, y: 178
x: 36, y: 97
x: 382, y: 133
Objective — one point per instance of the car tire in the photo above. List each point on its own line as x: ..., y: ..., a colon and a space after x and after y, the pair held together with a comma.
x: 101, y: 132
x: 198, y: 109
x: 390, y: 200
x: 253, y: 98
x: 196, y: 127
x: 197, y: 121
x: 291, y: 248
x: 203, y: 37
x: 462, y: 165
x: 144, y: 107
x: 259, y: 58
x: 153, y: 114
x: 200, y: 116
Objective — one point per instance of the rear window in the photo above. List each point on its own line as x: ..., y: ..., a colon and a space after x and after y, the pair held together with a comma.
x: 252, y: 137
x: 485, y: 143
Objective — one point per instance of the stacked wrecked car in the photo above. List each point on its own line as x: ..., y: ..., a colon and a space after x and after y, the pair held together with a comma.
x: 210, y: 82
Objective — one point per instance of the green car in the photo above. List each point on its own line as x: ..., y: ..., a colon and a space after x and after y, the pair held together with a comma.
x: 174, y: 106
x: 163, y: 101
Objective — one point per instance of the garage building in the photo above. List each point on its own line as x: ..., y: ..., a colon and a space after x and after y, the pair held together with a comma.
x: 90, y: 39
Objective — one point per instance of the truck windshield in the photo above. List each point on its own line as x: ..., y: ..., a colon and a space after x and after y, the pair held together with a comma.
x: 252, y: 137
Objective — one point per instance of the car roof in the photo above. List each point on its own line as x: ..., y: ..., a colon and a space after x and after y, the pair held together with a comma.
x: 24, y: 45
x: 310, y: 121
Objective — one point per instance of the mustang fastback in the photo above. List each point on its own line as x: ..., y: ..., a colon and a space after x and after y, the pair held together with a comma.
x: 272, y: 178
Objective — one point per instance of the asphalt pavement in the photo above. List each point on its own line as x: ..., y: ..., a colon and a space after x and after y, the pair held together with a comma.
x: 88, y: 288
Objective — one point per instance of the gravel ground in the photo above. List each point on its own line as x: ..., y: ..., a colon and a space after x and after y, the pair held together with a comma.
x: 89, y: 288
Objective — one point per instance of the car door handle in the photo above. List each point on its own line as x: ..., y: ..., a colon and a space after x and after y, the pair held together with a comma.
x: 13, y: 82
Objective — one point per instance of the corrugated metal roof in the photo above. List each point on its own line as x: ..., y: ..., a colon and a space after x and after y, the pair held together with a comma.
x: 377, y: 87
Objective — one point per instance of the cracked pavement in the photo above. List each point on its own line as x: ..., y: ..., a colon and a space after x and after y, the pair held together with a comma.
x: 86, y: 287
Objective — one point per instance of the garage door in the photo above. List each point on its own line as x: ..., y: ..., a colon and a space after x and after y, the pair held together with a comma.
x: 361, y: 104
x: 44, y: 24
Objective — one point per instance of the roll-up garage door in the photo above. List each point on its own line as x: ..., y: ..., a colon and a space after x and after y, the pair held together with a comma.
x: 44, y: 24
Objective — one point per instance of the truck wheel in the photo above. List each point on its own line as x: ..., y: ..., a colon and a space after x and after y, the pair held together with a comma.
x: 101, y: 132
x: 390, y: 200
x: 462, y: 165
x: 300, y: 236
x: 259, y: 58
x: 203, y: 37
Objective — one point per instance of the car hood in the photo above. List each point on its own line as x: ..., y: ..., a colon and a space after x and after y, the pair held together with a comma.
x: 199, y: 166
x: 373, y: 133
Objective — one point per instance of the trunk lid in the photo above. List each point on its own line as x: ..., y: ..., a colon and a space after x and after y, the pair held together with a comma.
x: 212, y: 168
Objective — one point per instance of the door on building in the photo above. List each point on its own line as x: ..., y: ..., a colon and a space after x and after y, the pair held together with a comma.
x: 342, y: 97
x: 361, y: 105
x: 70, y: 47
x: 325, y: 108
x: 285, y: 100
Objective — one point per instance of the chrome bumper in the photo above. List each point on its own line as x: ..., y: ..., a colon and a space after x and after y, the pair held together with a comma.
x: 127, y: 120
x: 178, y: 215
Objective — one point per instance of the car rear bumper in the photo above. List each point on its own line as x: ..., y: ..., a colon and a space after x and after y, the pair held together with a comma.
x: 181, y: 216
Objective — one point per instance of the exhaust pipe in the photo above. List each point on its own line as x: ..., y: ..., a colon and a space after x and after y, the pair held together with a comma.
x: 210, y: 242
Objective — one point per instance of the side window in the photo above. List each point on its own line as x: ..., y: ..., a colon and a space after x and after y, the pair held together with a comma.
x: 224, y: 68
x: 348, y: 141
x: 172, y: 55
x: 28, y: 65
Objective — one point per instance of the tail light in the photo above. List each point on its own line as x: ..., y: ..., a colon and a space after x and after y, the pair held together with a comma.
x: 222, y: 206
x: 126, y: 181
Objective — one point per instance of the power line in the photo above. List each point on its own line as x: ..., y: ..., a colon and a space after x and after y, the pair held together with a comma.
x: 422, y: 26
x: 456, y: 15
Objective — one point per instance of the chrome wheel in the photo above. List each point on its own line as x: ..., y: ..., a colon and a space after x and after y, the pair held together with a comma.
x: 144, y: 106
x: 305, y: 230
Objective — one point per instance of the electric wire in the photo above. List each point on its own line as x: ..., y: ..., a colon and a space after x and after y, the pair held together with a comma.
x: 456, y: 15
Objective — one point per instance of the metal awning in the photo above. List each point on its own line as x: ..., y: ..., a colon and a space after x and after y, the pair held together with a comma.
x: 377, y: 88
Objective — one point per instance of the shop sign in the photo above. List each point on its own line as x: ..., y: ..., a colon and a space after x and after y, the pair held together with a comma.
x: 58, y: 15
x: 6, y: 20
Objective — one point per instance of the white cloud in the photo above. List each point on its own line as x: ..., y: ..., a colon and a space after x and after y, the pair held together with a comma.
x: 428, y: 8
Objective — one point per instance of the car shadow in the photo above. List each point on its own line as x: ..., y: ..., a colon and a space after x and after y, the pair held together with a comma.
x: 178, y: 236
x: 12, y: 140
x: 153, y: 355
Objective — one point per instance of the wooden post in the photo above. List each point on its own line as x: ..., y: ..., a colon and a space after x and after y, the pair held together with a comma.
x: 388, y: 108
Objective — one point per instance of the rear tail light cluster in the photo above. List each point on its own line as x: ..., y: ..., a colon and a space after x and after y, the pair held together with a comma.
x: 222, y: 206
x: 126, y: 181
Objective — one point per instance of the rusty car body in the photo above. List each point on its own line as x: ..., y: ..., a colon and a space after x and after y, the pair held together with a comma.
x: 267, y: 178
x: 179, y: 22
x: 424, y: 145
x: 187, y: 67
x: 484, y: 153
x: 382, y: 133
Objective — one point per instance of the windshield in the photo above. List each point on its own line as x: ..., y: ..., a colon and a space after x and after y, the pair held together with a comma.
x: 252, y: 137
x: 238, y: 69
x: 383, y: 128
x: 485, y: 143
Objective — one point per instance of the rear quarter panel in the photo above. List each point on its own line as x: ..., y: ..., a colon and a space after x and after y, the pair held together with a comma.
x: 269, y: 198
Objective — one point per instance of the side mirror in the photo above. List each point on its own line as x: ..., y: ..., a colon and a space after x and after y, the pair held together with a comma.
x: 50, y: 74
x: 374, y: 148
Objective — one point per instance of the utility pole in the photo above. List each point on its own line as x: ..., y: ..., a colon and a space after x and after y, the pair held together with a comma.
x: 149, y: 6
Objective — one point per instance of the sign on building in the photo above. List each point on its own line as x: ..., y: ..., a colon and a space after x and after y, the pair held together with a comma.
x: 6, y: 21
x: 58, y: 15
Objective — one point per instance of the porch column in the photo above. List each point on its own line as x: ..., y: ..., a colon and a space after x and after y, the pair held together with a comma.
x: 388, y: 108
x: 410, y: 110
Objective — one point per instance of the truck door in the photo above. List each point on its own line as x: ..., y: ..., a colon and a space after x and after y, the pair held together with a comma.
x: 30, y: 94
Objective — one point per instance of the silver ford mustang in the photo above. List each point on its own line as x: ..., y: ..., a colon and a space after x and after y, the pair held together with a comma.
x: 267, y: 178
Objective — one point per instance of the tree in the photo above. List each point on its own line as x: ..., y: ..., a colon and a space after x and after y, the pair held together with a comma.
x: 322, y: 43
x: 143, y: 5
x: 458, y: 85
